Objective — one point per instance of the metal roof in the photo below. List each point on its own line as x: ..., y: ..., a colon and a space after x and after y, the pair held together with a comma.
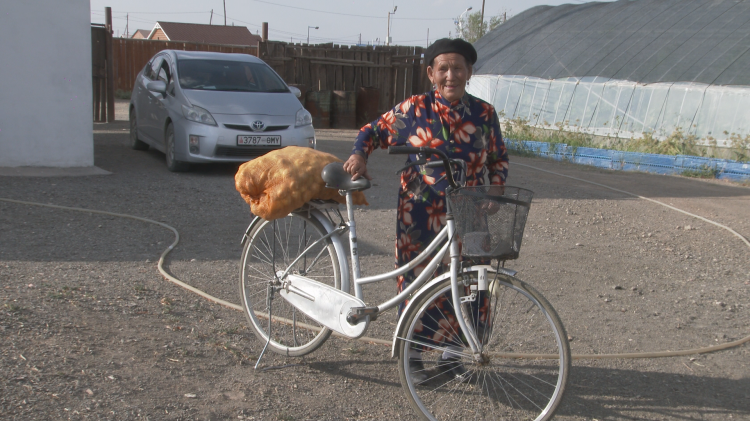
x: 643, y: 41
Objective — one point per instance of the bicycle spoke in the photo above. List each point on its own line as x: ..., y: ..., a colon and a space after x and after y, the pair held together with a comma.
x: 511, y: 400
x: 453, y: 333
x: 533, y: 389
x: 320, y: 254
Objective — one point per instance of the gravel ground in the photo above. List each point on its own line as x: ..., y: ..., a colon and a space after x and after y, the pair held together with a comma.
x: 90, y: 330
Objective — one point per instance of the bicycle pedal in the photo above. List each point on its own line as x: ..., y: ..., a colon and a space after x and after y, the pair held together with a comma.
x: 357, y: 314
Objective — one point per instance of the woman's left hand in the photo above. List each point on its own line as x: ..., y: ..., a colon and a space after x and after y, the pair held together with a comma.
x: 490, y: 206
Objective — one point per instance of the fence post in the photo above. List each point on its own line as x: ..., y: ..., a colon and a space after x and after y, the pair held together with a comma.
x: 110, y: 69
x: 263, y: 50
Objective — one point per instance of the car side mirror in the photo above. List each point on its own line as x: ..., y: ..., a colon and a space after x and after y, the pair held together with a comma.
x: 157, y: 86
x: 295, y: 91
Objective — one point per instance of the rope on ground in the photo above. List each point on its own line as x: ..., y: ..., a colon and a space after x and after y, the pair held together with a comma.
x: 169, y: 277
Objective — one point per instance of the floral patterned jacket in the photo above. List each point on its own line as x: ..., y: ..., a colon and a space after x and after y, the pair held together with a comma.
x: 468, y: 129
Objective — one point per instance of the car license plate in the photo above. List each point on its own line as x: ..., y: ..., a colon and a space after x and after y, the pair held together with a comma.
x: 245, y: 140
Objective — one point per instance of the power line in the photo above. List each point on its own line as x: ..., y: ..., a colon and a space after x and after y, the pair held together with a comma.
x: 351, y: 39
x: 290, y: 7
x: 344, y: 14
x: 155, y: 13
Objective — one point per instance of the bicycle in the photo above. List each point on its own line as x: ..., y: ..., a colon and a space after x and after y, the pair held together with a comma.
x: 505, y: 353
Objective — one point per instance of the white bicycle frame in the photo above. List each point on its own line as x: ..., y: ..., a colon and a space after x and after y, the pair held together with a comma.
x: 445, y: 240
x: 447, y: 236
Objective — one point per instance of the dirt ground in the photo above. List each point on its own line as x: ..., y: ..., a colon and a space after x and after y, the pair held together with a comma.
x: 89, y: 329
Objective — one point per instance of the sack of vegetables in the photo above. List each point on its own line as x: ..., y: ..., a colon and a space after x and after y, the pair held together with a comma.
x: 285, y: 179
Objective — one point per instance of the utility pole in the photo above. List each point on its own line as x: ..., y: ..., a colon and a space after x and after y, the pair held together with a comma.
x: 481, y: 23
x: 110, y: 68
x: 212, y: 17
x: 428, y: 37
x: 225, y: 12
x: 127, y: 22
x: 388, y: 37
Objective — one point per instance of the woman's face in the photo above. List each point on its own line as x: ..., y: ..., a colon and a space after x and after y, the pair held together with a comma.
x: 449, y: 73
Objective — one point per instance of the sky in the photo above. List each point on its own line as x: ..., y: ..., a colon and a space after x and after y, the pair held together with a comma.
x: 338, y: 21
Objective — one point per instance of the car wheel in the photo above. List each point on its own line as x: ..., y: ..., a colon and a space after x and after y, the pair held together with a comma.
x: 173, y: 164
x: 136, y: 143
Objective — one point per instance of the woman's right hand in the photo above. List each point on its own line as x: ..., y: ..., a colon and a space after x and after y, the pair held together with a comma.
x: 357, y: 167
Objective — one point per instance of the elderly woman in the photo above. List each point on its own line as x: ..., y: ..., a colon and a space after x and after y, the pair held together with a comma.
x: 448, y: 119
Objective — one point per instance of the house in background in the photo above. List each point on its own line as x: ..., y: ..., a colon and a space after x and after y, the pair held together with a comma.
x: 141, y: 34
x: 205, y: 34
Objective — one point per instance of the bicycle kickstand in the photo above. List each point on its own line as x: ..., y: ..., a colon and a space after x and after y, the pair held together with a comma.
x: 269, y: 297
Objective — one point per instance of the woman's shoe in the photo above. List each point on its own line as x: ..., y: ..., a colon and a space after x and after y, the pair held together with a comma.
x: 455, y: 367
x: 417, y: 371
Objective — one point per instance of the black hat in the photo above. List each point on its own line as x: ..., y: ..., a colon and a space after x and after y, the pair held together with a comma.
x: 447, y: 45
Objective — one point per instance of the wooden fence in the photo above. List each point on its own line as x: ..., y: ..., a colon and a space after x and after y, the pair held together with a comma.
x: 396, y: 71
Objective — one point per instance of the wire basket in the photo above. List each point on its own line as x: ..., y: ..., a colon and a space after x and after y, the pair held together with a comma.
x: 490, y: 220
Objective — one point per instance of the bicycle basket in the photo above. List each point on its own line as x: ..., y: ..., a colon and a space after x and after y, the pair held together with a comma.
x: 490, y: 220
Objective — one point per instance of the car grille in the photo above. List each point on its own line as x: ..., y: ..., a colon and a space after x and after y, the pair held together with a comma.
x: 227, y: 151
x: 248, y: 129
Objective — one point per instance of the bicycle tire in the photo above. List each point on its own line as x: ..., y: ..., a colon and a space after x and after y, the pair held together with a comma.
x: 503, y: 385
x: 292, y: 332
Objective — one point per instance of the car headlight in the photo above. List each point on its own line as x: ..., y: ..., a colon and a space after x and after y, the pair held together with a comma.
x: 303, y: 118
x: 198, y: 114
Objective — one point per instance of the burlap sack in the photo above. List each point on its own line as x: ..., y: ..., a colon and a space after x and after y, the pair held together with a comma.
x: 285, y: 179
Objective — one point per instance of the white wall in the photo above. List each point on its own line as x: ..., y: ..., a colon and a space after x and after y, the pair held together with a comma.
x: 45, y: 84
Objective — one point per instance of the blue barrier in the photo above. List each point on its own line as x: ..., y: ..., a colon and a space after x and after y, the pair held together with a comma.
x: 635, y: 161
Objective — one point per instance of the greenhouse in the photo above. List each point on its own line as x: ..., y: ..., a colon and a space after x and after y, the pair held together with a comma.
x: 623, y: 69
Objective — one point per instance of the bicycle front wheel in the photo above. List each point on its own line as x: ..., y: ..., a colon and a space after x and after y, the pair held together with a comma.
x: 271, y: 247
x: 520, y: 373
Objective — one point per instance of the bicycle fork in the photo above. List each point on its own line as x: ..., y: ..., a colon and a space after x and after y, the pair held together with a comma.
x: 270, y: 293
x: 269, y: 303
x: 462, y: 315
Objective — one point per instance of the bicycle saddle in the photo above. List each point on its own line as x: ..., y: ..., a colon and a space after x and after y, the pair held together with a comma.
x: 336, y: 178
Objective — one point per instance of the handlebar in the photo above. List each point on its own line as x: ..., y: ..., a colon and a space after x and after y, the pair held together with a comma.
x: 411, y: 150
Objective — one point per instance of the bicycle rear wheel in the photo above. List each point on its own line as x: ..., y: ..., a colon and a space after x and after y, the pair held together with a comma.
x: 525, y: 355
x: 271, y: 247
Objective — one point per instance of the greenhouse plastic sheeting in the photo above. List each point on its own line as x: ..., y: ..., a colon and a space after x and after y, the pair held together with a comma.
x: 645, y: 41
x: 616, y: 108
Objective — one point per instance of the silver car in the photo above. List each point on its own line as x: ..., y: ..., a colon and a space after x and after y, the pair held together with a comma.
x: 214, y: 107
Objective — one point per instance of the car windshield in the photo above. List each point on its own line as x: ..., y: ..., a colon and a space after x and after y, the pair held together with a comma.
x: 225, y: 75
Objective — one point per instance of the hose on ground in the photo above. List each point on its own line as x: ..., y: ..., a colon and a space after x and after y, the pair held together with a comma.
x: 636, y: 355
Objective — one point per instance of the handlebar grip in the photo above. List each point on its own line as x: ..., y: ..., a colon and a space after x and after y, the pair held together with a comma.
x: 434, y: 164
x: 403, y: 150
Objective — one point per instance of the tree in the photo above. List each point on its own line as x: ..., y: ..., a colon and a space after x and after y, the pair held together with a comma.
x: 471, y: 28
